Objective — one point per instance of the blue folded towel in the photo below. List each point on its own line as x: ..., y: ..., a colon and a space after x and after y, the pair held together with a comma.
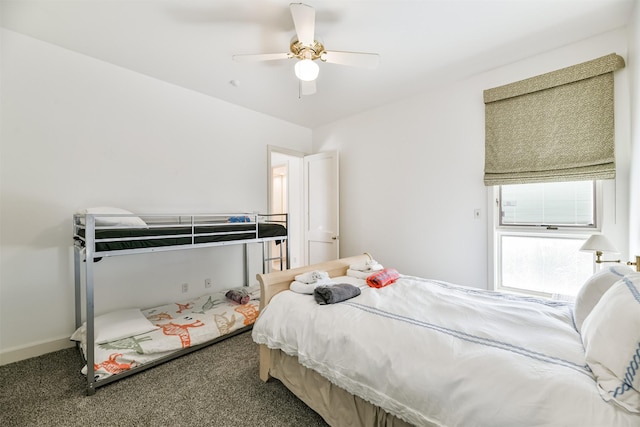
x: 335, y: 293
x: 239, y: 219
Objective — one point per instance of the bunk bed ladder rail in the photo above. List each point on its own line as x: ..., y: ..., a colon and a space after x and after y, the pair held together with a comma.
x: 89, y: 245
x: 266, y: 260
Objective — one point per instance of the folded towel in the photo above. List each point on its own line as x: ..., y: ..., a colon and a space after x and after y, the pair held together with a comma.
x: 359, y: 274
x: 240, y: 296
x: 371, y: 265
x: 335, y: 293
x: 239, y: 219
x: 302, y: 288
x: 312, y: 277
x: 383, y: 278
x: 307, y: 288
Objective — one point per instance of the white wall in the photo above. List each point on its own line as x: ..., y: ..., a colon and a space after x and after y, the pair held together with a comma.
x: 411, y: 173
x: 78, y: 132
x: 634, y: 73
x: 410, y: 178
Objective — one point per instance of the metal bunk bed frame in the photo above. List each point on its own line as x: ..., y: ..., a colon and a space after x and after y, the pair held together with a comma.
x: 85, y: 250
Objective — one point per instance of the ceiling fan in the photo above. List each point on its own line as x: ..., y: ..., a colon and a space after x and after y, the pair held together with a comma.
x: 306, y: 50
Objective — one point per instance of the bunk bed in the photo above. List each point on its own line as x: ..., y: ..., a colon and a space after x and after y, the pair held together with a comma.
x: 106, y: 232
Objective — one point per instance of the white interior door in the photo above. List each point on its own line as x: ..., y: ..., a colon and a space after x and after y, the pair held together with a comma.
x: 321, y: 209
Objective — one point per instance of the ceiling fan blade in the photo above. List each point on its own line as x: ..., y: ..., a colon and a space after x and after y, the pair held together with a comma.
x: 261, y: 57
x: 307, y: 88
x: 304, y: 19
x: 353, y: 59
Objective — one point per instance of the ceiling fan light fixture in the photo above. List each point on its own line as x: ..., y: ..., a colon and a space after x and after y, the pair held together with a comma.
x: 306, y: 70
x: 305, y: 49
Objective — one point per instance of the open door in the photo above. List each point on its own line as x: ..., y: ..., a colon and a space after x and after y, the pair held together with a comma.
x: 321, y: 207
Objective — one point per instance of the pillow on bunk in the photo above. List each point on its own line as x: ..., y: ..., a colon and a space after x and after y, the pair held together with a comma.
x: 611, y: 337
x: 593, y: 289
x: 120, y: 324
x: 128, y: 221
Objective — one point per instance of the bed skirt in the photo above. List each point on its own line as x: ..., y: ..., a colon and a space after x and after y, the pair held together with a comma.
x: 337, y: 406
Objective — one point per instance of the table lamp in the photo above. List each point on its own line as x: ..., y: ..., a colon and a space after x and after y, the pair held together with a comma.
x: 598, y: 243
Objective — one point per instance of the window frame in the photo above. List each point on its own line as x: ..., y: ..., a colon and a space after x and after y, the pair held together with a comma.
x: 497, y: 229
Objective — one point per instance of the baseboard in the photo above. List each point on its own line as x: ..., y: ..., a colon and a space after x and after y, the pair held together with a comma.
x: 27, y: 352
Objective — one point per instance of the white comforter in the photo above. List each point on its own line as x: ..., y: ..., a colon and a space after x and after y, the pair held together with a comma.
x: 431, y: 352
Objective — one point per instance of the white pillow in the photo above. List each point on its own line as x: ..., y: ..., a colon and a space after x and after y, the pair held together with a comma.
x: 593, y: 289
x: 129, y: 221
x: 120, y: 324
x: 611, y: 337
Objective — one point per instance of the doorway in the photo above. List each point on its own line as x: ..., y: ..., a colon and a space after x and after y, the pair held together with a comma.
x: 279, y: 197
x: 286, y: 196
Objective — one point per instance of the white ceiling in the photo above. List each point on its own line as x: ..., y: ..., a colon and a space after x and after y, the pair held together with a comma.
x: 190, y: 43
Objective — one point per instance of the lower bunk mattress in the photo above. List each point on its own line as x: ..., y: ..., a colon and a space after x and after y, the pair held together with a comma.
x: 128, y: 339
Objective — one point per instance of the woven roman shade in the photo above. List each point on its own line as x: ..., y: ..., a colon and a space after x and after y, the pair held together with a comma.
x: 557, y: 126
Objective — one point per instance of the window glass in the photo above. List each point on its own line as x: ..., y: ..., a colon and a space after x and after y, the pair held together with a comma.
x: 539, y: 233
x: 555, y: 204
x: 544, y: 264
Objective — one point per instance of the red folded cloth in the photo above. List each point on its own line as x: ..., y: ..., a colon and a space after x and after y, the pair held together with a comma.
x: 382, y: 278
x: 238, y: 295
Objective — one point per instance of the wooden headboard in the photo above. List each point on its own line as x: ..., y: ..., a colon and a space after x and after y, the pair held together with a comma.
x: 277, y: 281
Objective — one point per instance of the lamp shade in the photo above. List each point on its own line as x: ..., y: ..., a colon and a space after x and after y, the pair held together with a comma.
x: 307, y: 70
x: 598, y: 243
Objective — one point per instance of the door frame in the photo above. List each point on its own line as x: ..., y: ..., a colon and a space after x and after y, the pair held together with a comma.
x: 295, y: 199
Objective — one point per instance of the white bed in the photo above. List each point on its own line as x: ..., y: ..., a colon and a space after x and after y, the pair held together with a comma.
x: 424, y: 352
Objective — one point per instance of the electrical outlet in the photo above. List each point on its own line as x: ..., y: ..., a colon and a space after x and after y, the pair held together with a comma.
x: 185, y: 288
x: 207, y: 283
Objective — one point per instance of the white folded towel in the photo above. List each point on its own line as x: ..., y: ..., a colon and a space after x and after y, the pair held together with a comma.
x: 359, y: 274
x: 307, y: 288
x: 370, y: 266
x: 312, y: 277
x: 302, y: 288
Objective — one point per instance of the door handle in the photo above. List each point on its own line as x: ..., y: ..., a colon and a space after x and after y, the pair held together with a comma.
x: 334, y: 238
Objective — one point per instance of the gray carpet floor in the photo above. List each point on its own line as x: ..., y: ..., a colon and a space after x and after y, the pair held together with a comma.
x: 215, y: 386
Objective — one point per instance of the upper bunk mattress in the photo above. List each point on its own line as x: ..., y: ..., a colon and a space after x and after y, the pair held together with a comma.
x: 153, y: 237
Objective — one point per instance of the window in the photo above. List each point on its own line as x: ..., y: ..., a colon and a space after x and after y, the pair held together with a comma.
x: 539, y: 231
